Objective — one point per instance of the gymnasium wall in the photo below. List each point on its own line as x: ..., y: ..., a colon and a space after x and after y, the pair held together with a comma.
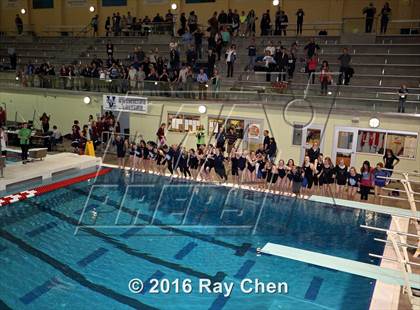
x: 75, y: 12
x: 64, y: 108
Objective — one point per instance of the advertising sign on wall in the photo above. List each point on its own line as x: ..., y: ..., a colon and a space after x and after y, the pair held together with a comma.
x: 133, y: 104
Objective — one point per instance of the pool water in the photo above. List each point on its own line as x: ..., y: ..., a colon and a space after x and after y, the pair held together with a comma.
x: 154, y: 227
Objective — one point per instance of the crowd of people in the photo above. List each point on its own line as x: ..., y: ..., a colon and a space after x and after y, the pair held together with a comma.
x: 223, y: 160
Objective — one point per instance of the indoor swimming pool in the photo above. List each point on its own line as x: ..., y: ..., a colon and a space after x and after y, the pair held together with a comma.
x: 79, y: 246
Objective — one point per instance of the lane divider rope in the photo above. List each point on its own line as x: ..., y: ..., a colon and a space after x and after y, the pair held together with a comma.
x: 9, y: 199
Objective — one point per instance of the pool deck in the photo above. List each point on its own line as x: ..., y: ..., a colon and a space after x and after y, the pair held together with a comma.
x: 46, y: 169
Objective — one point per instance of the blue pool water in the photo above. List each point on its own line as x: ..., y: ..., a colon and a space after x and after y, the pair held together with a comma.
x: 146, y: 229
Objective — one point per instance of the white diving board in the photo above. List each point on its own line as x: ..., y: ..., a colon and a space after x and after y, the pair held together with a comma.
x: 386, y: 275
x: 365, y: 206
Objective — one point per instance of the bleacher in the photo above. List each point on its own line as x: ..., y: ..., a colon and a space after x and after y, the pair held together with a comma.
x: 380, y: 67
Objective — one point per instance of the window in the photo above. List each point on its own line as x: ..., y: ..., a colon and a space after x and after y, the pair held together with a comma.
x: 216, y: 124
x: 371, y: 142
x: 402, y: 145
x: 183, y: 122
x: 43, y: 4
x: 114, y: 2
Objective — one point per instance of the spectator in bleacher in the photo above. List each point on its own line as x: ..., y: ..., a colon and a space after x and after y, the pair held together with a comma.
x: 211, y: 61
x: 385, y: 13
x: 11, y: 51
x: 222, y: 18
x: 299, y: 21
x: 402, y: 93
x: 63, y: 76
x: 133, y: 77
x: 250, y: 23
x: 117, y: 24
x: 242, y: 24
x: 370, y: 12
x: 291, y: 64
x: 311, y: 48
x: 192, y: 22
x: 19, y: 24
x: 94, y: 24
x: 174, y: 59
x: 218, y: 44
x: 2, y: 117
x: 225, y: 35
x: 141, y: 76
x: 215, y: 84
x: 235, y: 23
x: 282, y: 60
x: 252, y: 54
x: 130, y: 22
x: 191, y: 56
x: 183, y: 22
x: 107, y: 26
x: 271, y: 48
x: 213, y: 25
x: 344, y: 60
x: 187, y: 38
x: 277, y: 22
x: 198, y: 42
x: 265, y: 23
x: 202, y: 80
x: 124, y: 28
x: 284, y: 22
x: 110, y: 49
x: 182, y: 78
x: 270, y: 65
x: 325, y: 77
x: 311, y: 66
x: 230, y: 17
x: 230, y: 59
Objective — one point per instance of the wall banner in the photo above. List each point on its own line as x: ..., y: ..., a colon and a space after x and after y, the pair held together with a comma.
x: 76, y: 3
x: 133, y: 104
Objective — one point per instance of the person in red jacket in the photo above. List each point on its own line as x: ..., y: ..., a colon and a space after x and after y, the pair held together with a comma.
x: 312, y: 64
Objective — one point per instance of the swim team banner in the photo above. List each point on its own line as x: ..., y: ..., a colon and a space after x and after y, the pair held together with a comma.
x: 133, y: 104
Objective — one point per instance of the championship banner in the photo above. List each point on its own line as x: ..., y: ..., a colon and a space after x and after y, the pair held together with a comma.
x: 133, y: 104
x: 76, y: 3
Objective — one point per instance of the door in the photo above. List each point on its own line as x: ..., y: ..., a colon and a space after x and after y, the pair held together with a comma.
x: 344, y: 146
x: 310, y: 135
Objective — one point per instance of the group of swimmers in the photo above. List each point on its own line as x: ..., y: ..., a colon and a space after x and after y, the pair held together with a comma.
x: 258, y: 169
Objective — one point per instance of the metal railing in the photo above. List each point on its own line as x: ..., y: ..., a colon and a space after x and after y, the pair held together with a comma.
x: 227, y: 91
x: 357, y: 25
x: 397, y: 238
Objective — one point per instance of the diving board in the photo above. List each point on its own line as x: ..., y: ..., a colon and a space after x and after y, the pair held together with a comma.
x: 365, y: 206
x: 386, y: 275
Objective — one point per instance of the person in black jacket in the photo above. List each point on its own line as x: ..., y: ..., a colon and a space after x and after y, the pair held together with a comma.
x: 211, y: 62
x: 282, y: 61
x: 314, y: 152
x: 299, y: 21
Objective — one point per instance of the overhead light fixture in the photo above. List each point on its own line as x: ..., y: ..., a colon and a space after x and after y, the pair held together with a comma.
x: 374, y: 122
x: 86, y: 100
x: 276, y: 2
x: 91, y: 9
x: 174, y: 6
x: 23, y: 11
x: 202, y: 109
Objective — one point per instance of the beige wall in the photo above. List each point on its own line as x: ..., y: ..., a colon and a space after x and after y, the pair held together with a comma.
x: 321, y: 10
x: 66, y: 108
